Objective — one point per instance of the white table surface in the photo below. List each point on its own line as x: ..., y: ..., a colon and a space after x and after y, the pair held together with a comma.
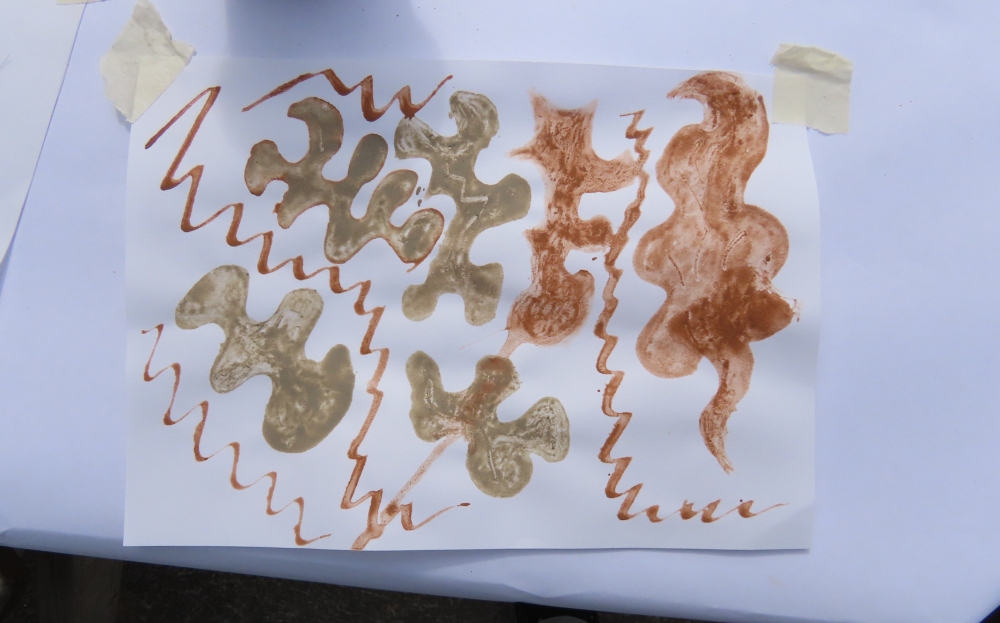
x: 908, y: 516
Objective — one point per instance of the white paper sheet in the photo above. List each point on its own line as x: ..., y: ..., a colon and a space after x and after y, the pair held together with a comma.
x: 175, y: 499
x: 35, y: 42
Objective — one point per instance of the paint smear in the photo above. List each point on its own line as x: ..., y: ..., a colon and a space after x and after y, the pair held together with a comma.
x: 308, y: 398
x: 716, y: 255
x: 499, y: 455
x: 556, y: 304
x: 307, y: 188
x: 478, y: 207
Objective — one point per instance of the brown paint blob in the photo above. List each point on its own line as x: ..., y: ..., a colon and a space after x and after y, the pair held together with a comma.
x: 478, y: 207
x: 308, y: 398
x: 307, y: 188
x: 499, y: 453
x: 716, y: 255
x: 556, y: 303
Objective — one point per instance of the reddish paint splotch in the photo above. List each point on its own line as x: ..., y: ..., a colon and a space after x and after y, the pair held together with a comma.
x: 556, y: 304
x: 716, y: 255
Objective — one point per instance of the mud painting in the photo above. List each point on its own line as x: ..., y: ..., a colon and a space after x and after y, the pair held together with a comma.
x: 308, y: 398
x: 557, y: 303
x: 711, y: 254
x: 307, y: 188
x: 716, y: 255
x: 478, y: 207
x: 499, y: 457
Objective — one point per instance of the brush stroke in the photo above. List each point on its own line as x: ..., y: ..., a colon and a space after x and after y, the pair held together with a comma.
x: 715, y: 256
x: 478, y: 207
x: 308, y: 188
x: 367, y: 84
x: 618, y: 243
x: 308, y: 398
x: 556, y: 304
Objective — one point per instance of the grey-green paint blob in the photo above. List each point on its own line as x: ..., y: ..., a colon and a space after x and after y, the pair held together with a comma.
x: 499, y: 456
x: 308, y: 398
x: 478, y: 207
x: 307, y: 188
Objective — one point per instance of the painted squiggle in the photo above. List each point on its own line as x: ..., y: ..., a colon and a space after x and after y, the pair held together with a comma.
x: 618, y: 243
x: 200, y: 456
x: 715, y: 256
x: 687, y: 511
x: 478, y: 207
x: 368, y: 108
x: 308, y: 188
x: 379, y: 521
x: 298, y: 271
x: 556, y: 304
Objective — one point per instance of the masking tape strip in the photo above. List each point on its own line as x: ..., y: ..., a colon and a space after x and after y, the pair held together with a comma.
x: 812, y: 87
x: 143, y: 61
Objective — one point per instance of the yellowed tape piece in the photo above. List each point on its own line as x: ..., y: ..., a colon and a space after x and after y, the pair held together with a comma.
x: 812, y: 87
x: 143, y: 61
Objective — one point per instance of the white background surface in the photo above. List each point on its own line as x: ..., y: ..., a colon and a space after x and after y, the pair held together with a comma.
x: 171, y: 500
x: 907, y: 427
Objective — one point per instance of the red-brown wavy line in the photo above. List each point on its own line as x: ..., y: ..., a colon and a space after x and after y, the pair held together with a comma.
x: 199, y: 456
x: 618, y: 243
x: 374, y: 526
x: 368, y: 109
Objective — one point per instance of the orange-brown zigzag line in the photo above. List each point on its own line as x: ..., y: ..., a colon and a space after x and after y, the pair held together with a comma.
x: 199, y: 456
x: 298, y: 270
x: 368, y: 108
x: 618, y: 243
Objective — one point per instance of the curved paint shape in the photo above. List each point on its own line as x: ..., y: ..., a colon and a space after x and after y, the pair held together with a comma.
x: 308, y: 188
x: 716, y: 255
x: 499, y: 455
x: 308, y: 398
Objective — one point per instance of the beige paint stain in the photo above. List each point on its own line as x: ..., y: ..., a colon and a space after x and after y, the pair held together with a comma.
x: 556, y: 304
x: 307, y: 188
x: 308, y: 398
x: 499, y: 453
x: 478, y: 207
x: 716, y: 255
